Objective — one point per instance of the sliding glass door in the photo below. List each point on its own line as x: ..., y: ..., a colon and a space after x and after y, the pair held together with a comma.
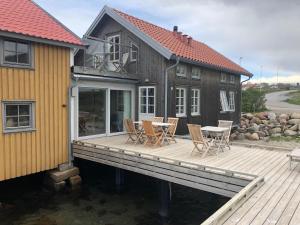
x: 92, y: 111
x: 120, y: 109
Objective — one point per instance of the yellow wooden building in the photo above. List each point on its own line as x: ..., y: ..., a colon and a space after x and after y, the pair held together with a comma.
x: 35, y: 60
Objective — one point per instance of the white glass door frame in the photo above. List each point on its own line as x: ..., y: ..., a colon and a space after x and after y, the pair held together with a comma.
x: 108, y: 87
x: 147, y: 115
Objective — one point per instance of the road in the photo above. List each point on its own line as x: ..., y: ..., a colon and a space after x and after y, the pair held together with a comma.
x: 275, y: 102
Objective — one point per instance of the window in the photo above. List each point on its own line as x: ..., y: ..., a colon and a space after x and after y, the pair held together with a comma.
x: 224, y: 101
x: 195, y: 103
x: 223, y: 77
x: 16, y: 53
x: 232, y: 79
x: 196, y: 73
x: 133, y: 52
x: 181, y: 70
x: 147, y: 100
x: 114, y: 48
x: 231, y: 101
x: 180, y: 102
x: 17, y: 116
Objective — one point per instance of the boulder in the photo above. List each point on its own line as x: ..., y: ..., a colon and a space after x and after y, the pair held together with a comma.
x: 254, y: 137
x: 294, y: 127
x: 253, y: 128
x: 276, y: 135
x: 255, y: 120
x: 290, y: 133
x: 262, y: 115
x: 240, y: 137
x: 282, y: 121
x: 295, y: 115
x: 265, y: 122
x: 271, y: 116
x: 248, y: 135
x: 249, y: 115
x: 233, y: 136
x: 275, y: 130
x: 283, y: 116
x: 294, y: 121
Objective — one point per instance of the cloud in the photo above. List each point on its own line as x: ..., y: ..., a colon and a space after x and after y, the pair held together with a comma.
x: 281, y: 79
x: 262, y: 32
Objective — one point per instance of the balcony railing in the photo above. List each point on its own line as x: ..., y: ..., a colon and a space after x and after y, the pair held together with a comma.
x: 105, y: 56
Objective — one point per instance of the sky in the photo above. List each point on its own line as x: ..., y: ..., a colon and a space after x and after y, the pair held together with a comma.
x: 262, y: 36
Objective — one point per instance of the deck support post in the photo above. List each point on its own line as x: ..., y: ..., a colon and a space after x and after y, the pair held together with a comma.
x: 165, y: 197
x: 119, y: 179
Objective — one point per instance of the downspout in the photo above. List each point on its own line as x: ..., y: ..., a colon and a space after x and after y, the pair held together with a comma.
x: 166, y: 87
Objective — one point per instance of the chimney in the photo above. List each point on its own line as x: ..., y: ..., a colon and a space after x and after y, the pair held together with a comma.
x: 189, y: 40
x: 175, y: 29
x: 185, y: 38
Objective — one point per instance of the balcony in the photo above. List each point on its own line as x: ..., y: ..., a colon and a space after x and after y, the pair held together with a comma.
x: 106, y: 57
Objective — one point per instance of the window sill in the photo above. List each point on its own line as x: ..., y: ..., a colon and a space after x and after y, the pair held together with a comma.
x: 10, y: 131
x: 230, y: 111
x: 181, y: 76
x: 196, y: 78
x: 181, y: 115
x: 195, y: 114
x: 18, y: 66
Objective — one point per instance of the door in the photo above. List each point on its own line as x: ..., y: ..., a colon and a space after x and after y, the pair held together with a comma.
x: 146, y: 102
x: 92, y: 111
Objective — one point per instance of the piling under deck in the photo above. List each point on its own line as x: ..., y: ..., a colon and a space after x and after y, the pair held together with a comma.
x: 263, y: 188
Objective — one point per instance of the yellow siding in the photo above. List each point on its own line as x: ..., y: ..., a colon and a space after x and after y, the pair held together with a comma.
x: 47, y: 84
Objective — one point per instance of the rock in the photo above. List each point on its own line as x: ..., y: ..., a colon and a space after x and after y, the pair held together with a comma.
x: 283, y: 116
x: 295, y: 115
x: 282, y: 121
x: 253, y: 128
x: 254, y: 137
x: 255, y: 120
x: 290, y: 133
x: 271, y: 116
x: 275, y: 130
x: 233, y: 136
x: 265, y: 122
x: 59, y: 176
x: 262, y: 115
x: 261, y: 134
x: 240, y: 137
x: 294, y: 127
x: 248, y: 135
x: 74, y: 181
x: 294, y: 121
x: 249, y: 115
x: 276, y: 135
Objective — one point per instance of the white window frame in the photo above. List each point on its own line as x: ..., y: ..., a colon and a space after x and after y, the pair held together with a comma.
x: 232, y: 79
x: 132, y: 51
x: 30, y: 127
x: 231, y: 101
x: 182, y: 70
x: 224, y: 101
x: 223, y: 77
x: 182, y: 102
x: 195, y: 101
x: 111, y: 42
x: 147, y: 99
x: 198, y: 73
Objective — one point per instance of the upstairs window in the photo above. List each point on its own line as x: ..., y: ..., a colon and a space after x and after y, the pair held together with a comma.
x: 181, y: 70
x: 16, y: 53
x: 223, y: 77
x: 232, y: 79
x: 18, y: 116
x: 195, y: 102
x: 114, y: 48
x: 231, y: 101
x: 196, y: 73
x: 180, y: 102
x: 133, y: 52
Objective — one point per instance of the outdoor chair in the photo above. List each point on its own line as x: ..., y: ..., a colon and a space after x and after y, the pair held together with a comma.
x: 199, y: 139
x: 170, y: 134
x: 120, y: 65
x: 227, y: 124
x: 134, y: 135
x: 153, y: 137
x: 158, y: 119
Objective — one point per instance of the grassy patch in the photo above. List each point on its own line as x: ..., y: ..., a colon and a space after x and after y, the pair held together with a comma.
x: 286, y: 138
x: 294, y: 98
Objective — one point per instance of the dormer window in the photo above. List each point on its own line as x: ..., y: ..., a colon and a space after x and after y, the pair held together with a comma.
x: 196, y: 73
x: 232, y: 79
x: 223, y: 77
x: 181, y: 70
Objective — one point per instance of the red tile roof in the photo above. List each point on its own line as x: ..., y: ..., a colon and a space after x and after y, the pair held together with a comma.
x: 196, y: 51
x: 26, y: 18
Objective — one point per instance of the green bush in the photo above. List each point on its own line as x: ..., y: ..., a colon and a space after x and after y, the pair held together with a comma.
x: 253, y: 100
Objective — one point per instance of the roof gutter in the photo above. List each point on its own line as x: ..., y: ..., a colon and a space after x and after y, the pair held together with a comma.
x: 166, y: 86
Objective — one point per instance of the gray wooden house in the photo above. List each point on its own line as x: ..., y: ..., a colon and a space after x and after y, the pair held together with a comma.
x: 128, y: 63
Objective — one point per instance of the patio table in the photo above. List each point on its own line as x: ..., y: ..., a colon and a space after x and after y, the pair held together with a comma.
x: 217, y: 134
x: 164, y: 126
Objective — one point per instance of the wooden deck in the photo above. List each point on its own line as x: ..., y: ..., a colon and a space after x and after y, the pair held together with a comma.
x: 274, y: 201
